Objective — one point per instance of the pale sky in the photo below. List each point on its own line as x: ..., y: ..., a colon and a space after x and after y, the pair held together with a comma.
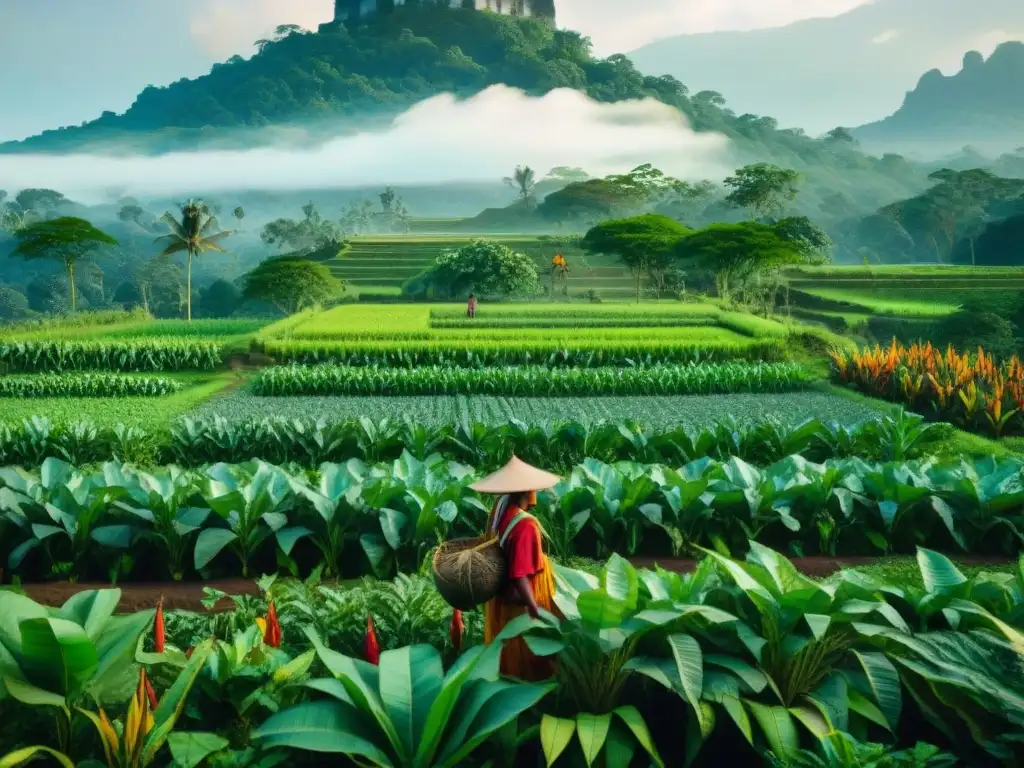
x: 65, y: 61
x: 228, y: 26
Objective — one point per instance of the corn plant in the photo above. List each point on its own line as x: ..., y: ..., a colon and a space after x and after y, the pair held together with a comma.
x: 533, y: 381
x: 86, y: 385
x: 561, y: 445
x: 62, y: 356
x: 409, y: 352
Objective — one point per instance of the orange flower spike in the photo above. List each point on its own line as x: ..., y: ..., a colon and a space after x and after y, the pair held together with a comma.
x: 159, y: 630
x: 371, y: 646
x: 272, y: 635
x: 458, y: 629
x: 151, y: 695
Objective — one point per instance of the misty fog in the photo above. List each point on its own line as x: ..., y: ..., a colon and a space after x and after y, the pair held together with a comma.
x: 436, y: 141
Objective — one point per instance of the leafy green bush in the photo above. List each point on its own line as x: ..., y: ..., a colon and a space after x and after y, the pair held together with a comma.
x: 970, y: 330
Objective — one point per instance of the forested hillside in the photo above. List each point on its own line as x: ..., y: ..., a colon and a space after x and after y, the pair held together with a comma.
x: 383, y: 67
x: 967, y: 217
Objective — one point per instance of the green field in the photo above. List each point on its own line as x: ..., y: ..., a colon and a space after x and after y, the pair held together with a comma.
x: 924, y: 291
x: 152, y: 413
x: 893, y: 302
x: 413, y: 322
x: 131, y: 329
x: 381, y: 265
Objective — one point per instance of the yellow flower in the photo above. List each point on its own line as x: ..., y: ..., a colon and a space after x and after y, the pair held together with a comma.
x: 125, y: 750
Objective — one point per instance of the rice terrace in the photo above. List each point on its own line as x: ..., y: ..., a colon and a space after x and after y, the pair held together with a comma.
x: 705, y: 447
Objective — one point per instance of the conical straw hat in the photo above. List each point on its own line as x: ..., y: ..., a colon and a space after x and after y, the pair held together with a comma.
x: 516, y: 477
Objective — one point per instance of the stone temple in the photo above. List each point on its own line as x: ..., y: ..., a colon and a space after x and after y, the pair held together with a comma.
x: 352, y: 10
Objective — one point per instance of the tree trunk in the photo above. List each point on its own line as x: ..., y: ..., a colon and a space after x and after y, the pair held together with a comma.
x: 638, y: 286
x: 145, y: 297
x: 188, y: 289
x: 71, y: 285
x: 973, y: 262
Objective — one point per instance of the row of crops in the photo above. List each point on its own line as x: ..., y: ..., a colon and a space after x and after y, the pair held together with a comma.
x: 676, y: 321
x: 311, y: 442
x: 976, y: 392
x: 743, y: 663
x: 86, y: 385
x: 353, y: 518
x: 533, y: 381
x: 47, y: 356
x: 167, y: 356
x: 580, y: 352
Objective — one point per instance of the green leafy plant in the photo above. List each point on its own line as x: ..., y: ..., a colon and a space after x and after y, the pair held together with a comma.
x: 407, y: 711
x: 59, y: 660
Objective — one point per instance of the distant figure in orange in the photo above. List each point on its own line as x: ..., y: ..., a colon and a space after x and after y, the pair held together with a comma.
x: 530, y: 581
x: 560, y: 271
x: 471, y: 306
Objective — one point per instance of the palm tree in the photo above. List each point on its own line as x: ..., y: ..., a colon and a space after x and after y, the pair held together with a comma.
x: 194, y: 234
x: 523, y: 181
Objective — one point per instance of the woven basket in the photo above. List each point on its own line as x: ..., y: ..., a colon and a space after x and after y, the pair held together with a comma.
x: 469, y: 572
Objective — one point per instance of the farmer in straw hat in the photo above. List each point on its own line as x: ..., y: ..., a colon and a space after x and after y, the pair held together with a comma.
x: 530, y: 581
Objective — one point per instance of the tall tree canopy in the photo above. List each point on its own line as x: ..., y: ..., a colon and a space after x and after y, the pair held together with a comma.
x: 310, y: 233
x: 739, y: 253
x: 762, y: 188
x: 644, y: 243
x: 67, y: 239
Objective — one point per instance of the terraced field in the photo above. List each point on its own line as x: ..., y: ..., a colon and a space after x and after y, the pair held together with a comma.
x: 897, y: 291
x: 578, y: 334
x: 381, y: 265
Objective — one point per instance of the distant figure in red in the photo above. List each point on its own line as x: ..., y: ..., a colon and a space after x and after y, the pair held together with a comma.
x: 471, y: 306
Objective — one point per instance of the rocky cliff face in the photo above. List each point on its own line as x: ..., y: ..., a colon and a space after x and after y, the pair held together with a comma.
x: 982, y: 105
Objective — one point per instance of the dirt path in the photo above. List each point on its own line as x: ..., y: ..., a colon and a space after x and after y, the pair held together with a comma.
x: 188, y: 596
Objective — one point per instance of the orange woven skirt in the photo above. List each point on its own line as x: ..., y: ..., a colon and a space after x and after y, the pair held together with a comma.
x: 517, y: 660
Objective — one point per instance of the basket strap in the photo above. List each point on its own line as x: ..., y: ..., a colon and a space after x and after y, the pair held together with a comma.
x: 520, y: 516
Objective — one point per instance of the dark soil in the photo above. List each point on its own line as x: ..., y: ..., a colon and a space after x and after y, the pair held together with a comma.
x: 177, y: 596
x: 187, y: 596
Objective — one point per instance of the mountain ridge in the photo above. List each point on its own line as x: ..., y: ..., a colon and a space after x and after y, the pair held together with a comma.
x: 982, y: 105
x: 847, y: 70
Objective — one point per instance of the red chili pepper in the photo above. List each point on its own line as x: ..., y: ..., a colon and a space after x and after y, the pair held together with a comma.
x: 371, y: 647
x: 272, y: 636
x: 159, y: 631
x: 188, y: 653
x: 458, y: 629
